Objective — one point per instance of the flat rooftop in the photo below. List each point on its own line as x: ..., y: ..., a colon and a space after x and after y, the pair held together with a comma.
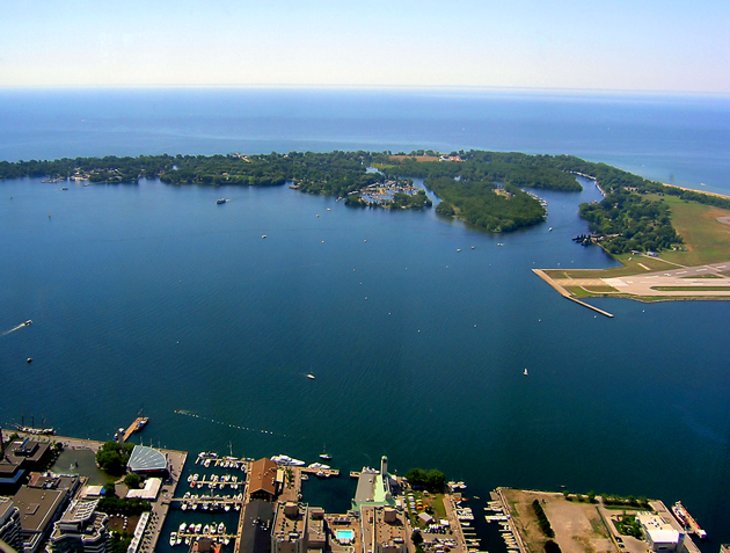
x: 5, y: 505
x: 390, y: 532
x: 289, y: 522
x: 343, y: 522
x: 38, y: 507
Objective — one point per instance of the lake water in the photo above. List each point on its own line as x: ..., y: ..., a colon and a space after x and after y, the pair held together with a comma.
x: 152, y: 297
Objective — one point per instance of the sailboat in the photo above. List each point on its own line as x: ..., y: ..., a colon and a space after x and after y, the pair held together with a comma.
x: 324, y: 455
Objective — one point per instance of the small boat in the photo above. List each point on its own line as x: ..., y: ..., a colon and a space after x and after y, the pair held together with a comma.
x: 324, y: 455
x: 173, y: 538
x: 221, y: 528
x: 263, y: 237
x: 181, y: 528
x: 28, y: 323
x: 221, y: 201
x: 524, y: 373
x: 550, y: 229
x: 310, y: 376
x: 28, y: 360
x: 458, y: 250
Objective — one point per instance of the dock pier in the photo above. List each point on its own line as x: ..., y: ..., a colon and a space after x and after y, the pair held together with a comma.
x: 137, y: 426
x: 563, y: 292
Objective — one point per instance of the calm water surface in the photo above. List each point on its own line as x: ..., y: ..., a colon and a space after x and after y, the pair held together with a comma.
x: 152, y: 297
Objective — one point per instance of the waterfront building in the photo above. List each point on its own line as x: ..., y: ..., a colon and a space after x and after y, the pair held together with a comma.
x: 298, y: 528
x: 147, y: 460
x: 70, y: 483
x: 10, y: 529
x: 289, y: 531
x: 263, y: 480
x: 39, y: 509
x: 17, y: 458
x: 149, y: 492
x: 258, y: 516
x: 316, y: 530
x: 374, y: 488
x: 661, y: 536
x: 81, y: 529
x: 383, y: 530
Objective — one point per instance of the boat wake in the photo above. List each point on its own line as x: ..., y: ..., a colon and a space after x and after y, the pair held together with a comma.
x: 195, y: 415
x: 15, y: 328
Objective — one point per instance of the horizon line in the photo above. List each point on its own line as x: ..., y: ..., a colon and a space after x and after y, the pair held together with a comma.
x: 394, y: 87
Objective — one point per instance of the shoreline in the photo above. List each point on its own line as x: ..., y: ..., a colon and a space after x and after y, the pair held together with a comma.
x: 705, y: 192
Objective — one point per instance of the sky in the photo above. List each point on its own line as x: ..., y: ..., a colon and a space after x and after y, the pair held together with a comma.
x: 638, y: 45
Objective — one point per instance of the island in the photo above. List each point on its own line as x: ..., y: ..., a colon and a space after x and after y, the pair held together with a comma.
x: 672, y: 243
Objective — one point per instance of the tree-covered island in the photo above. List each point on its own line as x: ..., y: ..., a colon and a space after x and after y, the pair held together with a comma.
x: 486, y: 190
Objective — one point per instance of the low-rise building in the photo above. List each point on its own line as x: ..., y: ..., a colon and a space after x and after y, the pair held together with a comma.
x: 81, y: 529
x: 10, y: 528
x: 147, y: 460
x: 316, y: 530
x: 39, y: 509
x: 343, y: 533
x: 374, y: 488
x: 383, y: 530
x: 262, y: 479
x: 289, y: 531
x: 661, y: 536
x: 19, y: 457
x: 150, y: 491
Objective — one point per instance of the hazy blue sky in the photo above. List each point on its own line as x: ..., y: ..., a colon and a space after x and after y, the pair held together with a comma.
x: 620, y: 44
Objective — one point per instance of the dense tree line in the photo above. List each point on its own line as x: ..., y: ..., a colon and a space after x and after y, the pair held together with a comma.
x: 478, y: 204
x: 112, y: 457
x: 469, y: 187
x: 626, y: 221
x: 432, y: 480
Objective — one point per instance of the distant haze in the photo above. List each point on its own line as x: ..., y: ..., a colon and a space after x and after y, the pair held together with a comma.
x: 617, y: 45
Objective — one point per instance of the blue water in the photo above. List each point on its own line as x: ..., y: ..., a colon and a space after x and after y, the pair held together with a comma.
x: 680, y: 139
x: 150, y: 296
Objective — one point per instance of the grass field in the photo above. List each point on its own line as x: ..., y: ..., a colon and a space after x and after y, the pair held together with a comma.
x: 706, y: 240
x: 705, y: 231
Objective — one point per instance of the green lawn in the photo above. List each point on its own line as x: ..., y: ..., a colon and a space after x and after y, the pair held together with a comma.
x: 706, y: 239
